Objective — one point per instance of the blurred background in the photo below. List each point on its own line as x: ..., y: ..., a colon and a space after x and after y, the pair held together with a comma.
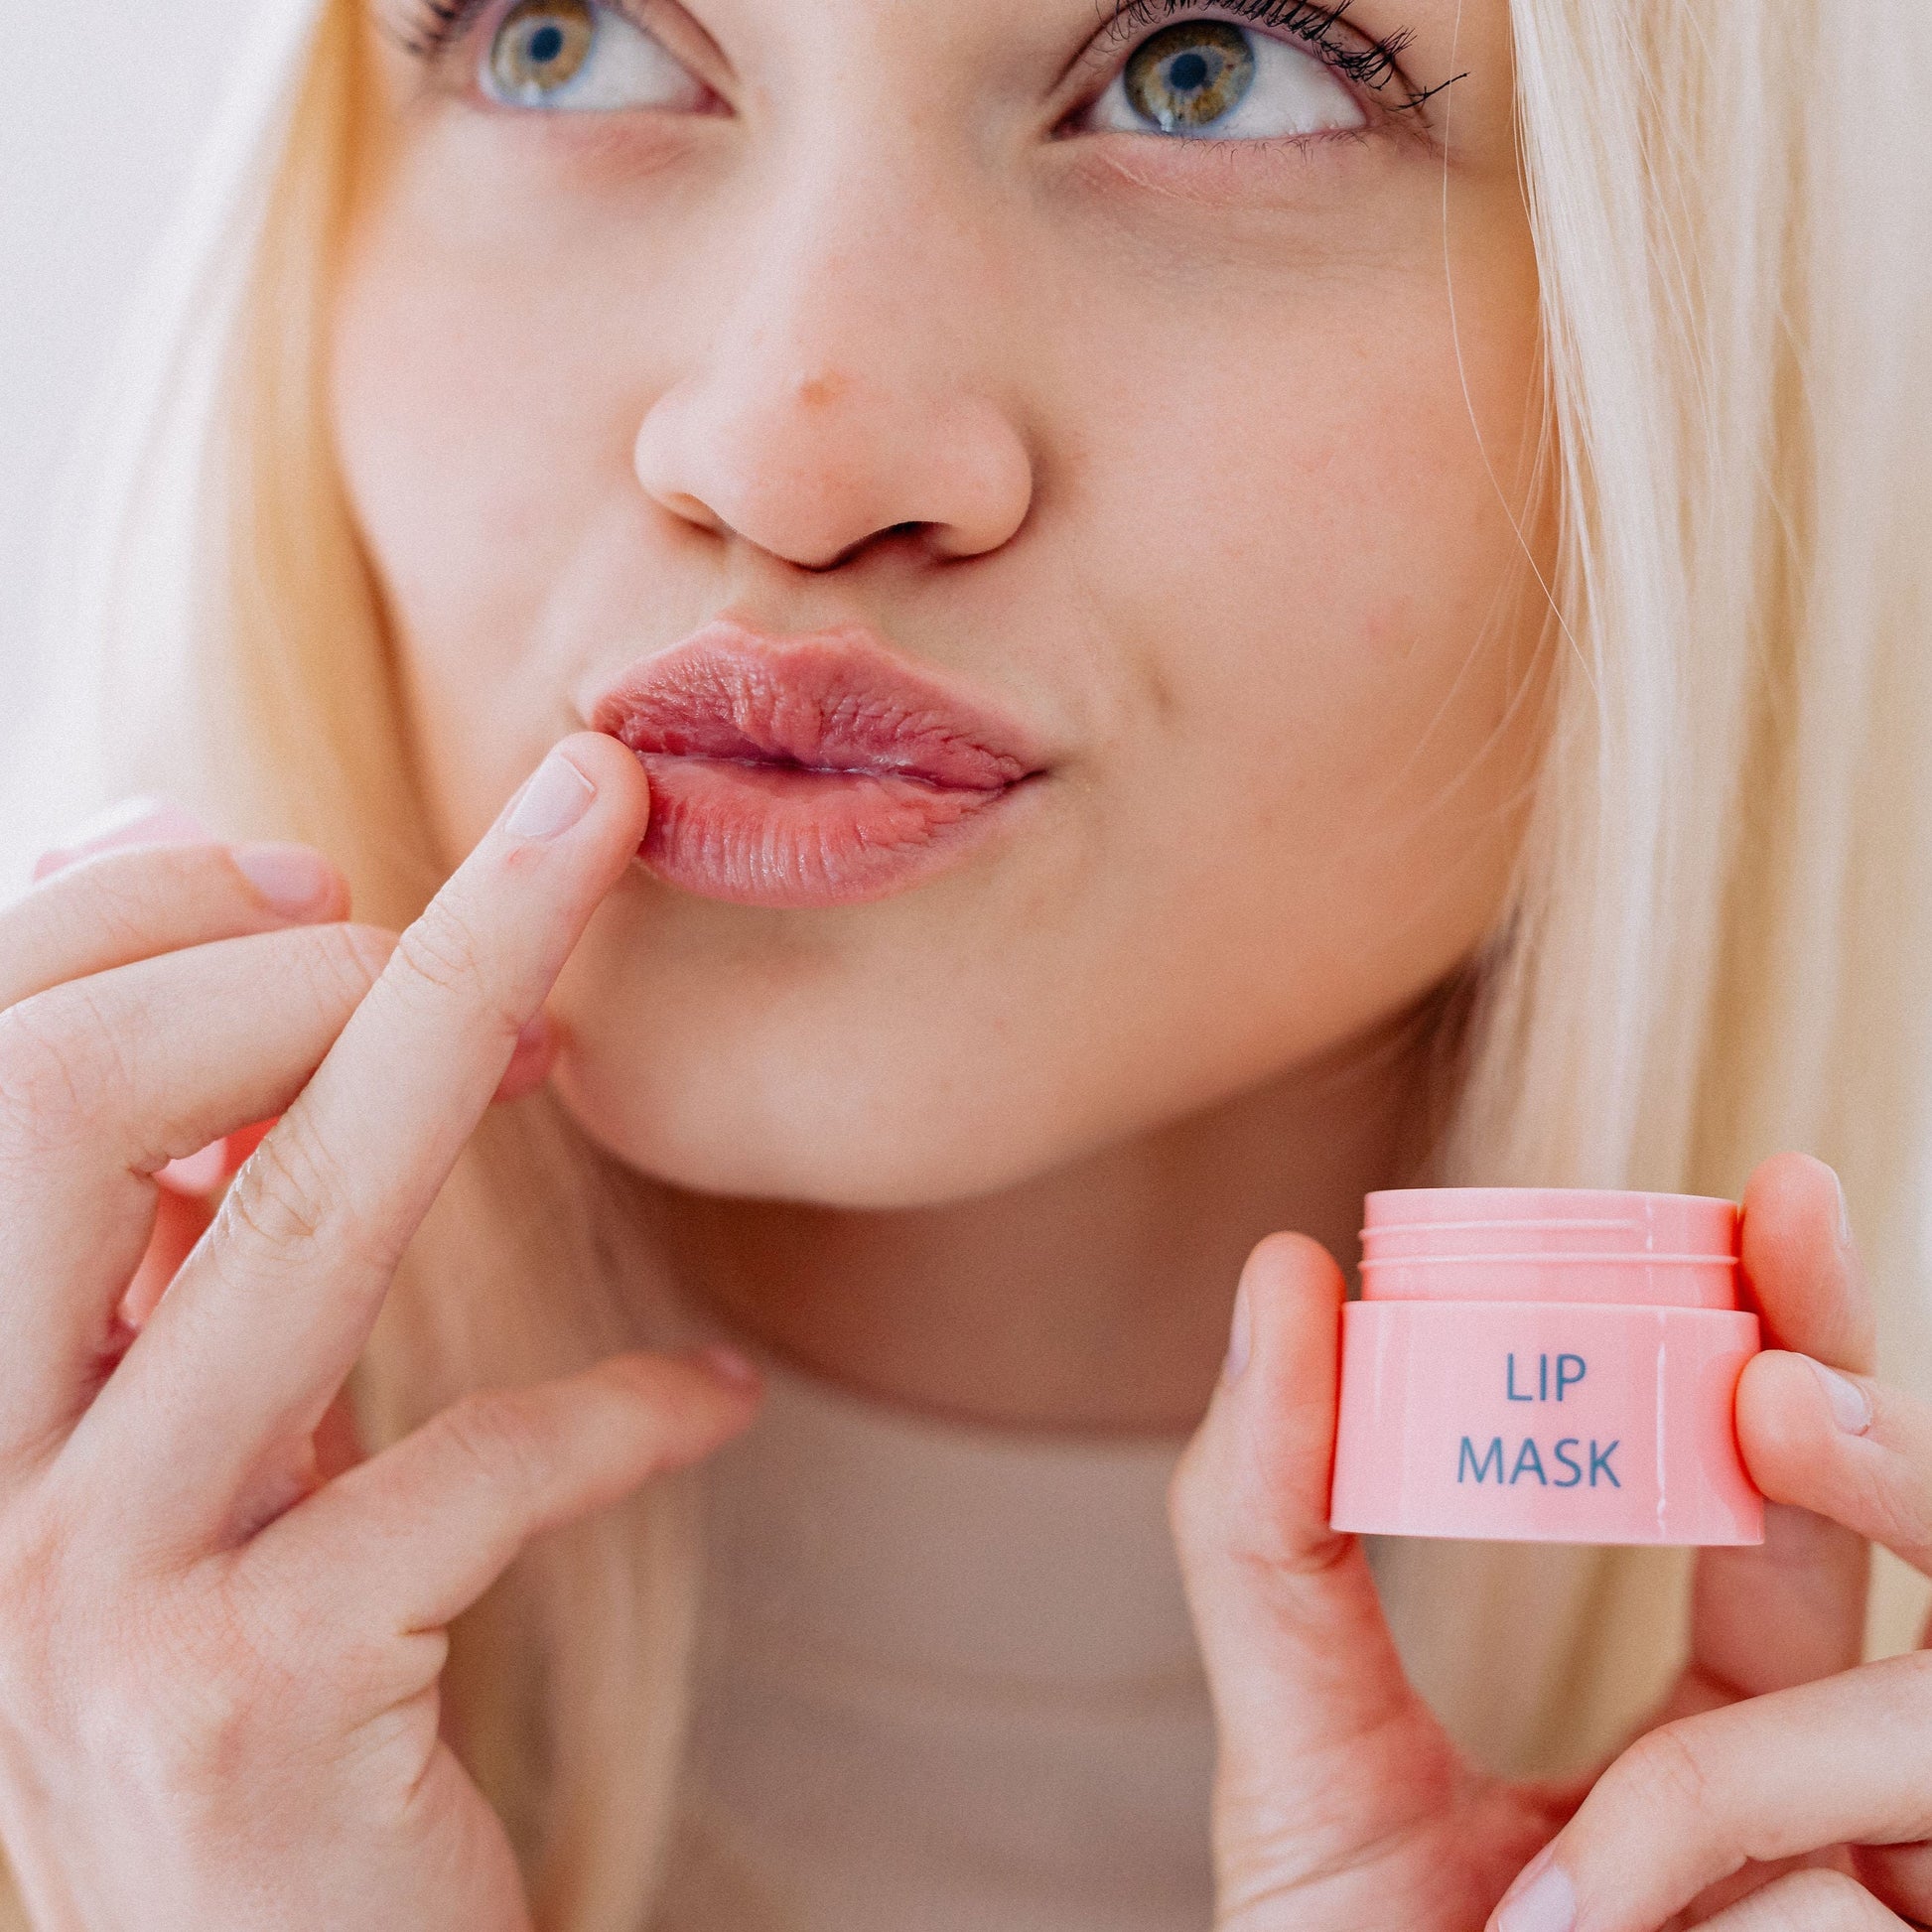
x: 93, y: 154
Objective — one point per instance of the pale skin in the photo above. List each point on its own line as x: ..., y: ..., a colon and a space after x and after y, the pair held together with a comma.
x: 1182, y: 450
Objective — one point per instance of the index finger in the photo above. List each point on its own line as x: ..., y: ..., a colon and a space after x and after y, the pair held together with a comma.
x: 262, y: 1325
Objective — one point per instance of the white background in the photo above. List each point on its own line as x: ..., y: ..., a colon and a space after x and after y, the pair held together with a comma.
x: 101, y: 115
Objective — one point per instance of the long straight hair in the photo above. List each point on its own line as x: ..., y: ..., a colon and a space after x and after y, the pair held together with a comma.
x: 1709, y: 953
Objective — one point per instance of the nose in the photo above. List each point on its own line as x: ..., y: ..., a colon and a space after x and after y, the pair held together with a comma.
x: 840, y: 403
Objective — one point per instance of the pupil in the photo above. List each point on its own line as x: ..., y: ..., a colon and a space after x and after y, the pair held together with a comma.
x: 1189, y: 74
x: 546, y: 43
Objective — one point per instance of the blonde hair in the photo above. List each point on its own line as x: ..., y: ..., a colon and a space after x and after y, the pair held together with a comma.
x: 1709, y: 953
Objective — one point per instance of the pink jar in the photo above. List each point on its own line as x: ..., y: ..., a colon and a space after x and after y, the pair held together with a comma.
x: 1546, y: 1364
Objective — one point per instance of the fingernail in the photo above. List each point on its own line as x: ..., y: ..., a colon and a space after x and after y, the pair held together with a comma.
x: 1844, y: 1217
x: 291, y: 878
x: 1541, y: 1900
x: 732, y: 1365
x: 552, y: 803
x: 142, y: 819
x: 1240, y: 1337
x: 1850, y: 1405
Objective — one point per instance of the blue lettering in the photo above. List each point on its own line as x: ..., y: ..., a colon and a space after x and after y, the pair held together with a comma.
x: 1571, y: 1369
x: 1569, y: 1463
x: 1509, y: 1383
x: 1467, y: 1461
x: 1600, y: 1459
x: 1527, y: 1459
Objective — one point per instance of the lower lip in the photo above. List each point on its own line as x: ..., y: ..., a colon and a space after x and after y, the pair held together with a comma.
x: 783, y: 836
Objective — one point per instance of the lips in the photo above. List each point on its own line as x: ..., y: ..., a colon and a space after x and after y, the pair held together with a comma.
x: 813, y: 770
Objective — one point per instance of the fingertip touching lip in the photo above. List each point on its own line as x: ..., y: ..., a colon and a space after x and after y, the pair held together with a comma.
x: 812, y: 770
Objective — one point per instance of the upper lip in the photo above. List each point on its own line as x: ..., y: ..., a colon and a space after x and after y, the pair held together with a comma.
x: 837, y: 700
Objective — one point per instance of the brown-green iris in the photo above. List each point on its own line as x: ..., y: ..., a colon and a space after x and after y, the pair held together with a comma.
x: 1191, y: 75
x: 541, y: 47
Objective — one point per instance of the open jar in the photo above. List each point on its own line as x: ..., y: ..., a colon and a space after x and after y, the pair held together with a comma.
x: 1547, y: 1365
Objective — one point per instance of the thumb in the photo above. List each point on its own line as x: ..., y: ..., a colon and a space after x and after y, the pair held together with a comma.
x: 1325, y: 1750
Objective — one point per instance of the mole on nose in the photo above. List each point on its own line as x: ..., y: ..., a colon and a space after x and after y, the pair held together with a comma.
x: 815, y: 392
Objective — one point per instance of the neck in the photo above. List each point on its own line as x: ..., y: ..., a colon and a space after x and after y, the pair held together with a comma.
x: 1093, y: 1297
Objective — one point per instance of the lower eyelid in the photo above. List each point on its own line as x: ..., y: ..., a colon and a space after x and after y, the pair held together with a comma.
x: 1311, y: 179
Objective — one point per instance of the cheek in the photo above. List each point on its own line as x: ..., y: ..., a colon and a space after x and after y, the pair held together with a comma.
x: 439, y: 449
x: 1306, y: 562
x: 485, y: 444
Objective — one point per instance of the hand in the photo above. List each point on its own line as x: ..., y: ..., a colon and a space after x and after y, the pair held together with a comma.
x: 218, y: 1658
x: 1791, y: 1786
x: 1784, y: 1786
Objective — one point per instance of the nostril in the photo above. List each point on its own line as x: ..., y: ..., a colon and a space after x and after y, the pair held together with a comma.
x: 871, y: 541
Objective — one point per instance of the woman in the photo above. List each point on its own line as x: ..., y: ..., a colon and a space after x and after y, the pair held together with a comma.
x: 1058, y: 644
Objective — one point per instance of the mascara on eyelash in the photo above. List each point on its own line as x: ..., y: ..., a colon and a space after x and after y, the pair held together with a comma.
x: 1374, y: 65
x: 440, y: 23
x: 436, y: 24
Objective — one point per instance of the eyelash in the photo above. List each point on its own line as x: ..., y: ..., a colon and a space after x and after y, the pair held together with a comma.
x: 1365, y: 60
x: 438, y: 24
x: 1372, y: 63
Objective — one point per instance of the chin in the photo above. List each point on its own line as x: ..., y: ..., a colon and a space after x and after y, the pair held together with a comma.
x: 796, y: 1135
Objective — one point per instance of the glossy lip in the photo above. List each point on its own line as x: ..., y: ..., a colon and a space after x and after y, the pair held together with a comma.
x: 817, y: 768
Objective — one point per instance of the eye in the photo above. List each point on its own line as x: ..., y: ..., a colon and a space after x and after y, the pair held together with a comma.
x: 1211, y: 79
x: 581, y: 57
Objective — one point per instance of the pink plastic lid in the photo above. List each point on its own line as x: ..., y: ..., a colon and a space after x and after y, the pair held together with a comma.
x: 1550, y: 1244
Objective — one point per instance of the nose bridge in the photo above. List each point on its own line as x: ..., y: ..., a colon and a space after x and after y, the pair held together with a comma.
x: 849, y: 385
x: 861, y: 250
x: 869, y: 162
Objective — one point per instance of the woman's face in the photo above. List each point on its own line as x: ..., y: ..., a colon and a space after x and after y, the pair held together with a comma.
x: 1157, y: 392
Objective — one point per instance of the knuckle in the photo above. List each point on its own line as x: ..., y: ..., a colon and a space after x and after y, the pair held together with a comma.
x: 286, y: 1200
x: 207, y: 1702
x: 441, y: 950
x: 56, y: 1057
x: 1663, y: 1773
x: 266, y: 1658
x: 1898, y: 1513
x: 373, y: 946
x: 442, y: 954
x: 65, y: 1628
x: 1241, y: 1533
x: 344, y: 962
x: 180, y: 1686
